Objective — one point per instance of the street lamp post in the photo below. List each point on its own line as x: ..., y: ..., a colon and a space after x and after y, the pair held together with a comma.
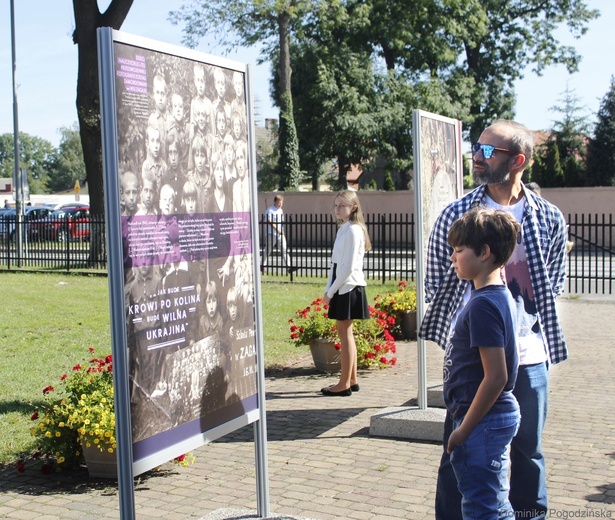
x: 17, y: 180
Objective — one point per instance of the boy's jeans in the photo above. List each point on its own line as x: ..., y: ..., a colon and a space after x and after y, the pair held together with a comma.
x: 481, y: 467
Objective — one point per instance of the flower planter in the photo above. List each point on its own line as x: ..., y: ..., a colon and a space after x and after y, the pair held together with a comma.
x: 100, y: 464
x: 326, y: 357
x: 408, y: 325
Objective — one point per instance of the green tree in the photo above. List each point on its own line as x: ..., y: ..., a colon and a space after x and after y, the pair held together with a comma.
x: 601, y: 148
x: 267, y: 159
x: 547, y: 168
x: 334, y: 96
x: 488, y: 43
x: 246, y: 23
x: 34, y: 156
x: 66, y: 164
x: 560, y: 161
x: 389, y: 185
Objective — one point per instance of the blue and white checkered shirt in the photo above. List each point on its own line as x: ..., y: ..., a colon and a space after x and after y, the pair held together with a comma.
x: 544, y: 237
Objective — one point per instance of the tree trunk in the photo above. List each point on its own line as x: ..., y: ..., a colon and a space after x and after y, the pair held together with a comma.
x: 87, y: 19
x: 289, y: 145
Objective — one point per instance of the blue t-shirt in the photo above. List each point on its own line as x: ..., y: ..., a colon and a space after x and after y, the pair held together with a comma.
x: 486, y: 321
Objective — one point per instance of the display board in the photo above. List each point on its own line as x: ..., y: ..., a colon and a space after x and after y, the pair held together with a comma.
x: 180, y: 186
x: 438, y: 180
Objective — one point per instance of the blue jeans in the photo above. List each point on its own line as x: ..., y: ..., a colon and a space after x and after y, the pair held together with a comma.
x: 528, y: 486
x: 481, y: 465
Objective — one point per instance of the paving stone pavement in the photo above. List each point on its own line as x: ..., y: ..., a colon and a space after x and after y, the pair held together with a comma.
x: 324, y: 465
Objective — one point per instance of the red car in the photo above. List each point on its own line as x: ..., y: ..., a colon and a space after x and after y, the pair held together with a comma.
x: 70, y: 223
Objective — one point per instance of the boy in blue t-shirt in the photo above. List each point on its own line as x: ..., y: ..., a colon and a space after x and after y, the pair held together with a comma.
x: 480, y: 364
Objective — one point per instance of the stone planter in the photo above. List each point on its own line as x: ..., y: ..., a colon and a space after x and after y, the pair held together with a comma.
x: 408, y: 325
x: 326, y: 357
x: 100, y: 464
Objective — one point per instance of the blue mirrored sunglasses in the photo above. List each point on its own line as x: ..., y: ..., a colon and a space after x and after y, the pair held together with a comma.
x: 488, y: 150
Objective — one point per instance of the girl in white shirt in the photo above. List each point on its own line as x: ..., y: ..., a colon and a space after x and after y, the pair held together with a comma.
x: 345, y: 291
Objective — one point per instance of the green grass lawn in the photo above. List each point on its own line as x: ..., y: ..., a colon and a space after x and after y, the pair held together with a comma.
x: 50, y: 320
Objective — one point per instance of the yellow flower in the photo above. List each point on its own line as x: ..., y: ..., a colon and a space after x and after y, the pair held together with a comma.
x: 61, y: 460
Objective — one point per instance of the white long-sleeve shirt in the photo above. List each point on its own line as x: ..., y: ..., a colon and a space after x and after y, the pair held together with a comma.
x: 348, y: 253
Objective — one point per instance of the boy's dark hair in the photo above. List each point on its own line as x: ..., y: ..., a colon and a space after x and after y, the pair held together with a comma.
x: 484, y: 226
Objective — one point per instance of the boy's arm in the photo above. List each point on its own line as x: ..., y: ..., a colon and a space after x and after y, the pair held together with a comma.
x: 496, y: 376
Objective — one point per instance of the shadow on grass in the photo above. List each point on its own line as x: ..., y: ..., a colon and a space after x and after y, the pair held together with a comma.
x: 26, y: 408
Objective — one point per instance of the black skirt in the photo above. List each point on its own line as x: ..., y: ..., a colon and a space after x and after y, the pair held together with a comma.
x: 349, y: 306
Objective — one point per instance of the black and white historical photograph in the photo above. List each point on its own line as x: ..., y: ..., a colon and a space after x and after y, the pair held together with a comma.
x: 186, y: 233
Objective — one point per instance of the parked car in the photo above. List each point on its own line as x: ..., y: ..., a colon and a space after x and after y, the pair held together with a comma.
x: 61, y: 205
x: 63, y: 224
x: 9, y: 219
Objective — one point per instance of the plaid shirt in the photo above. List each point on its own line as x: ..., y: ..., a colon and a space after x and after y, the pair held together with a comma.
x: 544, y: 236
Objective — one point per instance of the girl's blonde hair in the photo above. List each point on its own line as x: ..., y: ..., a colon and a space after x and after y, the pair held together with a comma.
x: 356, y: 217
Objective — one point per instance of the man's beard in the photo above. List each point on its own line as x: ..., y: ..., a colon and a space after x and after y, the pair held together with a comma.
x: 499, y: 175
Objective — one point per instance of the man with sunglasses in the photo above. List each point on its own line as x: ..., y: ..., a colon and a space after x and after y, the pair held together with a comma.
x: 535, y: 276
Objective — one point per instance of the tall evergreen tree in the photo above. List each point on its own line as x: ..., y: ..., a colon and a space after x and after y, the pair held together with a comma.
x: 560, y: 161
x: 601, y: 149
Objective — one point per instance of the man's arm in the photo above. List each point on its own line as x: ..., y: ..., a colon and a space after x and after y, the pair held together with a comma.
x: 557, y: 260
x: 438, y: 256
x: 273, y: 219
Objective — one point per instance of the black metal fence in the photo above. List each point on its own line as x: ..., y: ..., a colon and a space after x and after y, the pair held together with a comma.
x: 590, y: 262
x: 54, y: 244
x: 310, y: 239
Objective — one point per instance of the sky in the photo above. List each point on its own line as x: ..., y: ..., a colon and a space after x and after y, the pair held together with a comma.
x: 46, y: 66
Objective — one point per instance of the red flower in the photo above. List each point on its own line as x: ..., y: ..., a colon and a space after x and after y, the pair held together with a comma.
x: 91, y: 349
x: 384, y: 360
x: 21, y: 468
x: 338, y: 346
x: 48, y: 389
x: 402, y: 284
x: 294, y: 335
x: 77, y: 367
x: 293, y: 328
x: 110, y: 367
x: 181, y: 458
x: 34, y: 416
x: 393, y: 361
x: 64, y: 376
